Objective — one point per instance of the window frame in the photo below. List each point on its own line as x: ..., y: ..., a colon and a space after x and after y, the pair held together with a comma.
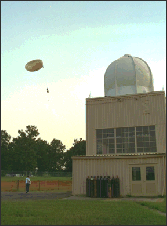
x: 108, y: 138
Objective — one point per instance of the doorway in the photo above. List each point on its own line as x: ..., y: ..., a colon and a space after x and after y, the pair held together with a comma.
x: 143, y: 180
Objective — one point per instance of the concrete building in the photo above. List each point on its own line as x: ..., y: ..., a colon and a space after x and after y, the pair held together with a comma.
x: 125, y: 132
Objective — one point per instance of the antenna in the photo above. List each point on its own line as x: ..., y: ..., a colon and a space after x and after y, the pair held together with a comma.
x: 90, y: 95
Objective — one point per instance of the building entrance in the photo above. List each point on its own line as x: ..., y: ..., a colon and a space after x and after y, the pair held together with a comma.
x: 143, y: 180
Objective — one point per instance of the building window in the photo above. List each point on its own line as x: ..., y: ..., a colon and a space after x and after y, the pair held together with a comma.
x: 105, y: 141
x: 150, y: 175
x: 136, y: 175
x: 145, y: 139
x: 123, y: 140
x: 99, y: 146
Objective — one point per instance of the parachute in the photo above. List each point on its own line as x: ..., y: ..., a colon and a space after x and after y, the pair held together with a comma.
x: 34, y: 65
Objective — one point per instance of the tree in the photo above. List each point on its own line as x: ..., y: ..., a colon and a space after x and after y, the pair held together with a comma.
x: 56, y: 155
x: 32, y: 132
x: 42, y: 154
x: 79, y: 148
x: 5, y: 157
x: 23, y: 150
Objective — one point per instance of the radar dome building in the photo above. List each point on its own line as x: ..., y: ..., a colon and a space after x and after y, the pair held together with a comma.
x: 125, y: 132
x: 128, y: 75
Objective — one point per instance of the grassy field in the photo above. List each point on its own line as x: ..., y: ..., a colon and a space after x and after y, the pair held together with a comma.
x: 77, y: 212
x: 36, y: 178
x: 156, y: 205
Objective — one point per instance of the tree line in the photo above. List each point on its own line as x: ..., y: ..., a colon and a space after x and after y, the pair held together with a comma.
x: 26, y: 152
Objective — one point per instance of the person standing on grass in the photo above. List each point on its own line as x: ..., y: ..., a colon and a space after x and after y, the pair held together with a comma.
x: 28, y: 182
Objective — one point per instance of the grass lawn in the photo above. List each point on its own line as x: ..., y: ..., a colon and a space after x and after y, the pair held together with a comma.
x: 77, y: 212
x: 36, y: 178
x: 156, y: 205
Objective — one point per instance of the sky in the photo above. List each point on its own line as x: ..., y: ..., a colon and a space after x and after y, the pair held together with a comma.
x: 77, y: 41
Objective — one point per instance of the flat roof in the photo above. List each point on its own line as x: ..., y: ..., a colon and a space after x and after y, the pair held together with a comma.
x: 154, y: 93
x: 136, y: 155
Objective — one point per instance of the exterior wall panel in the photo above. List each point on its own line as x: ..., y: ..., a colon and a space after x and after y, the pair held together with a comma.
x: 161, y: 137
x: 102, y: 166
x: 125, y: 111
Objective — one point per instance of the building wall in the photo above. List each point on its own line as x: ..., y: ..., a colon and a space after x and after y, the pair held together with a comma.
x: 112, y: 166
x: 126, y: 111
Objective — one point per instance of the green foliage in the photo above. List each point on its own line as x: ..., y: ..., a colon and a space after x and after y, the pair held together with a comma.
x: 79, y: 148
x: 26, y: 152
x: 5, y: 142
x: 56, y: 155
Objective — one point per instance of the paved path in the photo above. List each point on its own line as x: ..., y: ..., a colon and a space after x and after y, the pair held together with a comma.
x: 18, y: 196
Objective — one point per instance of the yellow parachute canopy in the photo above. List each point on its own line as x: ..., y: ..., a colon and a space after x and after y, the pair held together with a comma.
x: 34, y: 65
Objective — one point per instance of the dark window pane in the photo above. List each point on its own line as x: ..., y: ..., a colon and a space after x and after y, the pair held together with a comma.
x: 105, y: 135
x: 131, y: 134
x: 131, y: 150
x: 152, y: 133
x: 131, y: 139
x: 140, y: 150
x: 119, y: 145
x: 140, y: 144
x: 132, y: 129
x: 110, y: 130
x: 119, y: 132
x: 125, y: 150
x: 119, y: 140
x: 131, y: 145
x: 139, y: 128
x: 111, y: 141
x: 154, y: 149
x: 145, y: 129
x: 125, y: 140
x: 152, y: 127
x: 105, y: 130
x: 99, y: 146
x: 140, y: 139
x: 126, y: 145
x: 119, y: 150
x: 125, y: 129
x: 99, y: 133
x: 105, y: 146
x: 146, y: 138
x: 111, y: 150
x: 136, y: 175
x: 152, y: 144
x: 110, y: 135
x: 146, y: 150
x: 126, y: 135
x: 152, y: 139
x: 150, y: 175
x: 146, y: 144
x: 139, y: 134
x: 111, y: 146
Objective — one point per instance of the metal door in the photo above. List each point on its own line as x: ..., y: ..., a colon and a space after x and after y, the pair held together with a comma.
x: 143, y: 180
x: 150, y: 179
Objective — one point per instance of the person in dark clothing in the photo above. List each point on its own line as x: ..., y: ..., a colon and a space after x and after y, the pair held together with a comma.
x: 28, y: 182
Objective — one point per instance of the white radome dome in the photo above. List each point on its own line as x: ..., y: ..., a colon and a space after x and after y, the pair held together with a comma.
x: 128, y: 75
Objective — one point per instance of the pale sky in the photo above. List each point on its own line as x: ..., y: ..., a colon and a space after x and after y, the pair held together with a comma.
x: 76, y: 42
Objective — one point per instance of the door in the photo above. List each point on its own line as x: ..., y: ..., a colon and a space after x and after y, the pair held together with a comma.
x: 150, y: 180
x: 143, y: 180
